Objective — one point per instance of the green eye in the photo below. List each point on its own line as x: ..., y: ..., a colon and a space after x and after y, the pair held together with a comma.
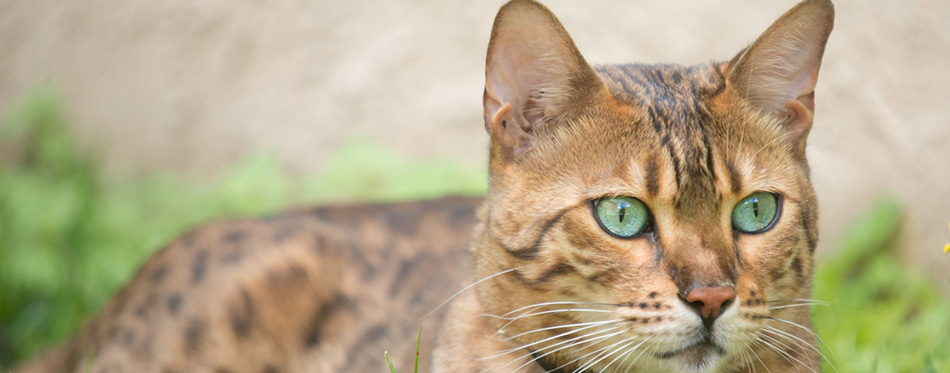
x: 755, y: 213
x: 623, y: 217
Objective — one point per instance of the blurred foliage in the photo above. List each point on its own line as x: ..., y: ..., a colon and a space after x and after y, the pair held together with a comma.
x: 882, y: 317
x: 69, y: 238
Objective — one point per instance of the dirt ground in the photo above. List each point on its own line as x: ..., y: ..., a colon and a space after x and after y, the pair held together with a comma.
x: 194, y: 85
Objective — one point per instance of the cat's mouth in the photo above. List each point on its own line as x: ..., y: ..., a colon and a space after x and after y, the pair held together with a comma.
x: 695, y: 353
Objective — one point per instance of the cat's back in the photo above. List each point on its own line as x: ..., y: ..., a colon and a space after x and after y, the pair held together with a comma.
x: 326, y: 289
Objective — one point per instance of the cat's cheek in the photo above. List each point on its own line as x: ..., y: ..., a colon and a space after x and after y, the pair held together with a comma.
x: 768, y: 251
x: 739, y: 324
x: 754, y: 282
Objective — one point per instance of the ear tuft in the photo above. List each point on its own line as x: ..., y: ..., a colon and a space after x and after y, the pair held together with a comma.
x: 533, y: 75
x: 778, y: 73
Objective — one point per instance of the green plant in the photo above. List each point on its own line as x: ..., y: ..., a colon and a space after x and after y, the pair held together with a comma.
x: 882, y: 316
x: 392, y: 368
x: 70, y: 237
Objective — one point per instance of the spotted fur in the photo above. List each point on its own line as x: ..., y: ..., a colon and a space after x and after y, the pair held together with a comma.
x: 329, y: 289
x: 321, y: 290
x: 688, y: 141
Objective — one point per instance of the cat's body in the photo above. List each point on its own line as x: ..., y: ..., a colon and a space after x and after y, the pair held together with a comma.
x: 639, y: 218
x: 321, y: 290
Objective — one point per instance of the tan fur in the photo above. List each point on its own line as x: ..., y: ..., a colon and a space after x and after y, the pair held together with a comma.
x: 690, y: 142
x: 330, y: 289
x: 321, y: 290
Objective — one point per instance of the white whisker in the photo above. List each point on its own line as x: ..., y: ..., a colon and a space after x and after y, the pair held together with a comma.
x: 817, y: 301
x: 539, y: 305
x: 595, y: 323
x: 519, y: 348
x: 745, y: 354
x: 816, y: 336
x: 641, y: 354
x: 796, y: 305
x: 774, y: 348
x: 785, y: 353
x: 581, y: 357
x: 612, y: 350
x: 466, y: 288
x: 542, y: 313
x: 627, y: 354
x: 588, y: 339
x: 756, y: 355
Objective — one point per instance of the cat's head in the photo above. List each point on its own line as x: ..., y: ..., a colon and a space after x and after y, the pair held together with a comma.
x: 661, y: 214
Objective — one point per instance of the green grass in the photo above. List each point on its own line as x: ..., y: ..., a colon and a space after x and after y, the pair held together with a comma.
x: 882, y: 317
x: 69, y: 238
x: 392, y: 368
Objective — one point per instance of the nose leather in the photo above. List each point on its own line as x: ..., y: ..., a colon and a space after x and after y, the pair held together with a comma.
x: 710, y: 301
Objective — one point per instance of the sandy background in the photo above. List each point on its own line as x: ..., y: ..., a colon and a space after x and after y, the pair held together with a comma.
x: 194, y: 85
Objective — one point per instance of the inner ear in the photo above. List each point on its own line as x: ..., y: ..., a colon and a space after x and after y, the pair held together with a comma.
x: 507, y: 130
x: 534, y: 75
x: 797, y: 121
x: 778, y: 73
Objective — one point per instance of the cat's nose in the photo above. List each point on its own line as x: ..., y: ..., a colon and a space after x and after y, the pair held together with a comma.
x: 711, y: 301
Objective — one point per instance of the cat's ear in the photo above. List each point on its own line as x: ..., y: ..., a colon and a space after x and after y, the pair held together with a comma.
x: 778, y: 73
x: 534, y: 76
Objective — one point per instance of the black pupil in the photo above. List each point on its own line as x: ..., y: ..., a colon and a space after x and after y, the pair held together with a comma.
x: 623, y: 210
x: 755, y: 207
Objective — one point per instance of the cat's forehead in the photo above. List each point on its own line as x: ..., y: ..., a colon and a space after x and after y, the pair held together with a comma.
x: 676, y: 120
x: 673, y: 102
x: 675, y: 136
x: 666, y: 87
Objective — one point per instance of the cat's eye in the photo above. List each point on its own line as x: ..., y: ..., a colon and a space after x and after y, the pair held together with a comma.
x: 623, y: 217
x: 755, y: 213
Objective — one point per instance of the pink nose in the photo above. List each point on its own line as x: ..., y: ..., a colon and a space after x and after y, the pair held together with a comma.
x: 709, y: 301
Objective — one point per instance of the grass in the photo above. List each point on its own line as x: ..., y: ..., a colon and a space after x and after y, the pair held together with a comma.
x: 882, y: 317
x: 392, y: 368
x: 69, y: 238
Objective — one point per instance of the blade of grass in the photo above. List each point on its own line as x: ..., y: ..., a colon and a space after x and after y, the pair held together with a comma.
x: 418, y: 340
x: 391, y: 367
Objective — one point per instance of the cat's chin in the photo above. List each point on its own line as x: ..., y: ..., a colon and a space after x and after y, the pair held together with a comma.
x: 696, y: 357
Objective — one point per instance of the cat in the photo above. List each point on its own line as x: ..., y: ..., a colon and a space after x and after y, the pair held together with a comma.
x: 326, y: 289
x: 644, y: 217
x: 638, y: 218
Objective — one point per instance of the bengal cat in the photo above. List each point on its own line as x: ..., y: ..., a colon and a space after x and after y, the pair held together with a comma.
x: 649, y: 218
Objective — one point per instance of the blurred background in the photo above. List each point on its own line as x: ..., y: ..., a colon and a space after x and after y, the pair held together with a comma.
x: 122, y: 123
